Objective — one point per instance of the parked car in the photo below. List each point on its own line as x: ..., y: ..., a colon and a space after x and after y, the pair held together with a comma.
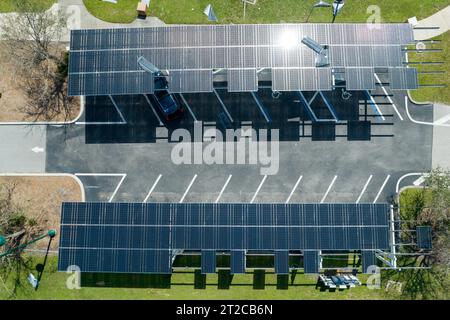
x: 165, y: 100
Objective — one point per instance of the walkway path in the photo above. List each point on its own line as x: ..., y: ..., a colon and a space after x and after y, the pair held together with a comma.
x: 441, y: 136
x: 80, y: 18
x: 440, y: 19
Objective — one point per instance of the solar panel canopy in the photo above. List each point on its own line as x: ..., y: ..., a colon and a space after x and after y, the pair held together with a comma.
x: 403, y: 78
x: 311, y: 261
x: 423, y: 235
x: 141, y: 237
x: 360, y: 78
x: 196, y: 51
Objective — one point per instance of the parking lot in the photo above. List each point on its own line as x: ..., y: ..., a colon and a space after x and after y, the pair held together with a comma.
x: 355, y: 152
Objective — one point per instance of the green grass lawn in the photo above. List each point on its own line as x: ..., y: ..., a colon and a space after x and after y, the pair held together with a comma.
x: 265, y: 11
x: 434, y: 94
x: 8, y: 5
x: 183, y: 286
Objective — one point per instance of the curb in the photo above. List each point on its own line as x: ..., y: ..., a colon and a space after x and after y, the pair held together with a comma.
x: 56, y: 123
x: 416, y: 102
x: 80, y: 184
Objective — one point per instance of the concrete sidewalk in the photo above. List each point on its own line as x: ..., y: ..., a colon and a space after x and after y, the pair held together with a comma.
x: 80, y: 18
x: 440, y: 19
x: 441, y: 137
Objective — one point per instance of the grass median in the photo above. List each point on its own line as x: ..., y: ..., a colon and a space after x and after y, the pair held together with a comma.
x: 264, y: 11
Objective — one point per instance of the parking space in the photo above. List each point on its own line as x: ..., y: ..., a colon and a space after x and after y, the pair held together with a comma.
x: 242, y: 106
x: 244, y: 186
x: 358, y: 158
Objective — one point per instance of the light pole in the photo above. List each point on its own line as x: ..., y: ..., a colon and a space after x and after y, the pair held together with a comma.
x: 337, y: 6
x: 320, y: 4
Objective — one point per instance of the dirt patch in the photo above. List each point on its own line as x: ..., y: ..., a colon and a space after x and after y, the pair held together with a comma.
x: 13, y: 99
x: 41, y: 198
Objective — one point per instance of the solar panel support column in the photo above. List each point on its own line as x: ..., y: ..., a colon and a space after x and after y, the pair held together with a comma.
x: 368, y: 259
x: 208, y: 263
x: 282, y: 262
x: 311, y: 261
x: 237, y: 262
x: 308, y: 107
x: 329, y: 106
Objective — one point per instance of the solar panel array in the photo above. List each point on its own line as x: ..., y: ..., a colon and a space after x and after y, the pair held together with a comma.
x: 360, y: 78
x: 423, y: 235
x: 242, y: 80
x: 302, y: 79
x: 282, y: 262
x: 208, y: 261
x: 145, y: 233
x: 403, y: 78
x: 182, y: 81
x: 311, y: 261
x: 237, y: 261
x: 368, y: 259
x: 111, y: 53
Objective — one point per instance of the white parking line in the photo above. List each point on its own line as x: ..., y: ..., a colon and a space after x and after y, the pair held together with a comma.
x: 389, y: 98
x: 261, y: 107
x: 364, y: 189
x: 117, y: 188
x: 189, y: 108
x: 117, y: 108
x: 259, y: 187
x: 123, y: 175
x: 376, y: 106
x: 224, y: 107
x: 328, y: 190
x: 152, y: 188
x: 293, y: 189
x: 223, y: 188
x: 382, y: 187
x: 153, y: 109
x: 187, y: 190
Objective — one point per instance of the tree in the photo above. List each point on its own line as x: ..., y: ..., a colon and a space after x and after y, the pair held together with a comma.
x: 30, y: 33
x: 429, y: 205
x: 13, y: 223
x: 32, y: 38
x: 436, y: 213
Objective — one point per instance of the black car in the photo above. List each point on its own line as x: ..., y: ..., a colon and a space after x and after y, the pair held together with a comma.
x: 165, y: 100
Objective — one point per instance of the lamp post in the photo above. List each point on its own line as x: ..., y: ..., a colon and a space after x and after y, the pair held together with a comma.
x: 320, y: 4
x: 51, y: 234
x: 337, y: 6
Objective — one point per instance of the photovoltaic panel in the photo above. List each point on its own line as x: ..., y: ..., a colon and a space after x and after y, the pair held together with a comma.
x: 190, y: 81
x: 282, y: 262
x: 112, y: 51
x: 98, y: 84
x: 237, y: 262
x: 302, y: 79
x: 368, y: 259
x: 208, y: 261
x: 311, y: 261
x: 242, y: 80
x: 423, y: 236
x: 136, y: 227
x: 403, y: 78
x: 360, y: 78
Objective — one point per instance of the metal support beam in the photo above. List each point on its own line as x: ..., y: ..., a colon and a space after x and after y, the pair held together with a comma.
x: 262, y: 108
